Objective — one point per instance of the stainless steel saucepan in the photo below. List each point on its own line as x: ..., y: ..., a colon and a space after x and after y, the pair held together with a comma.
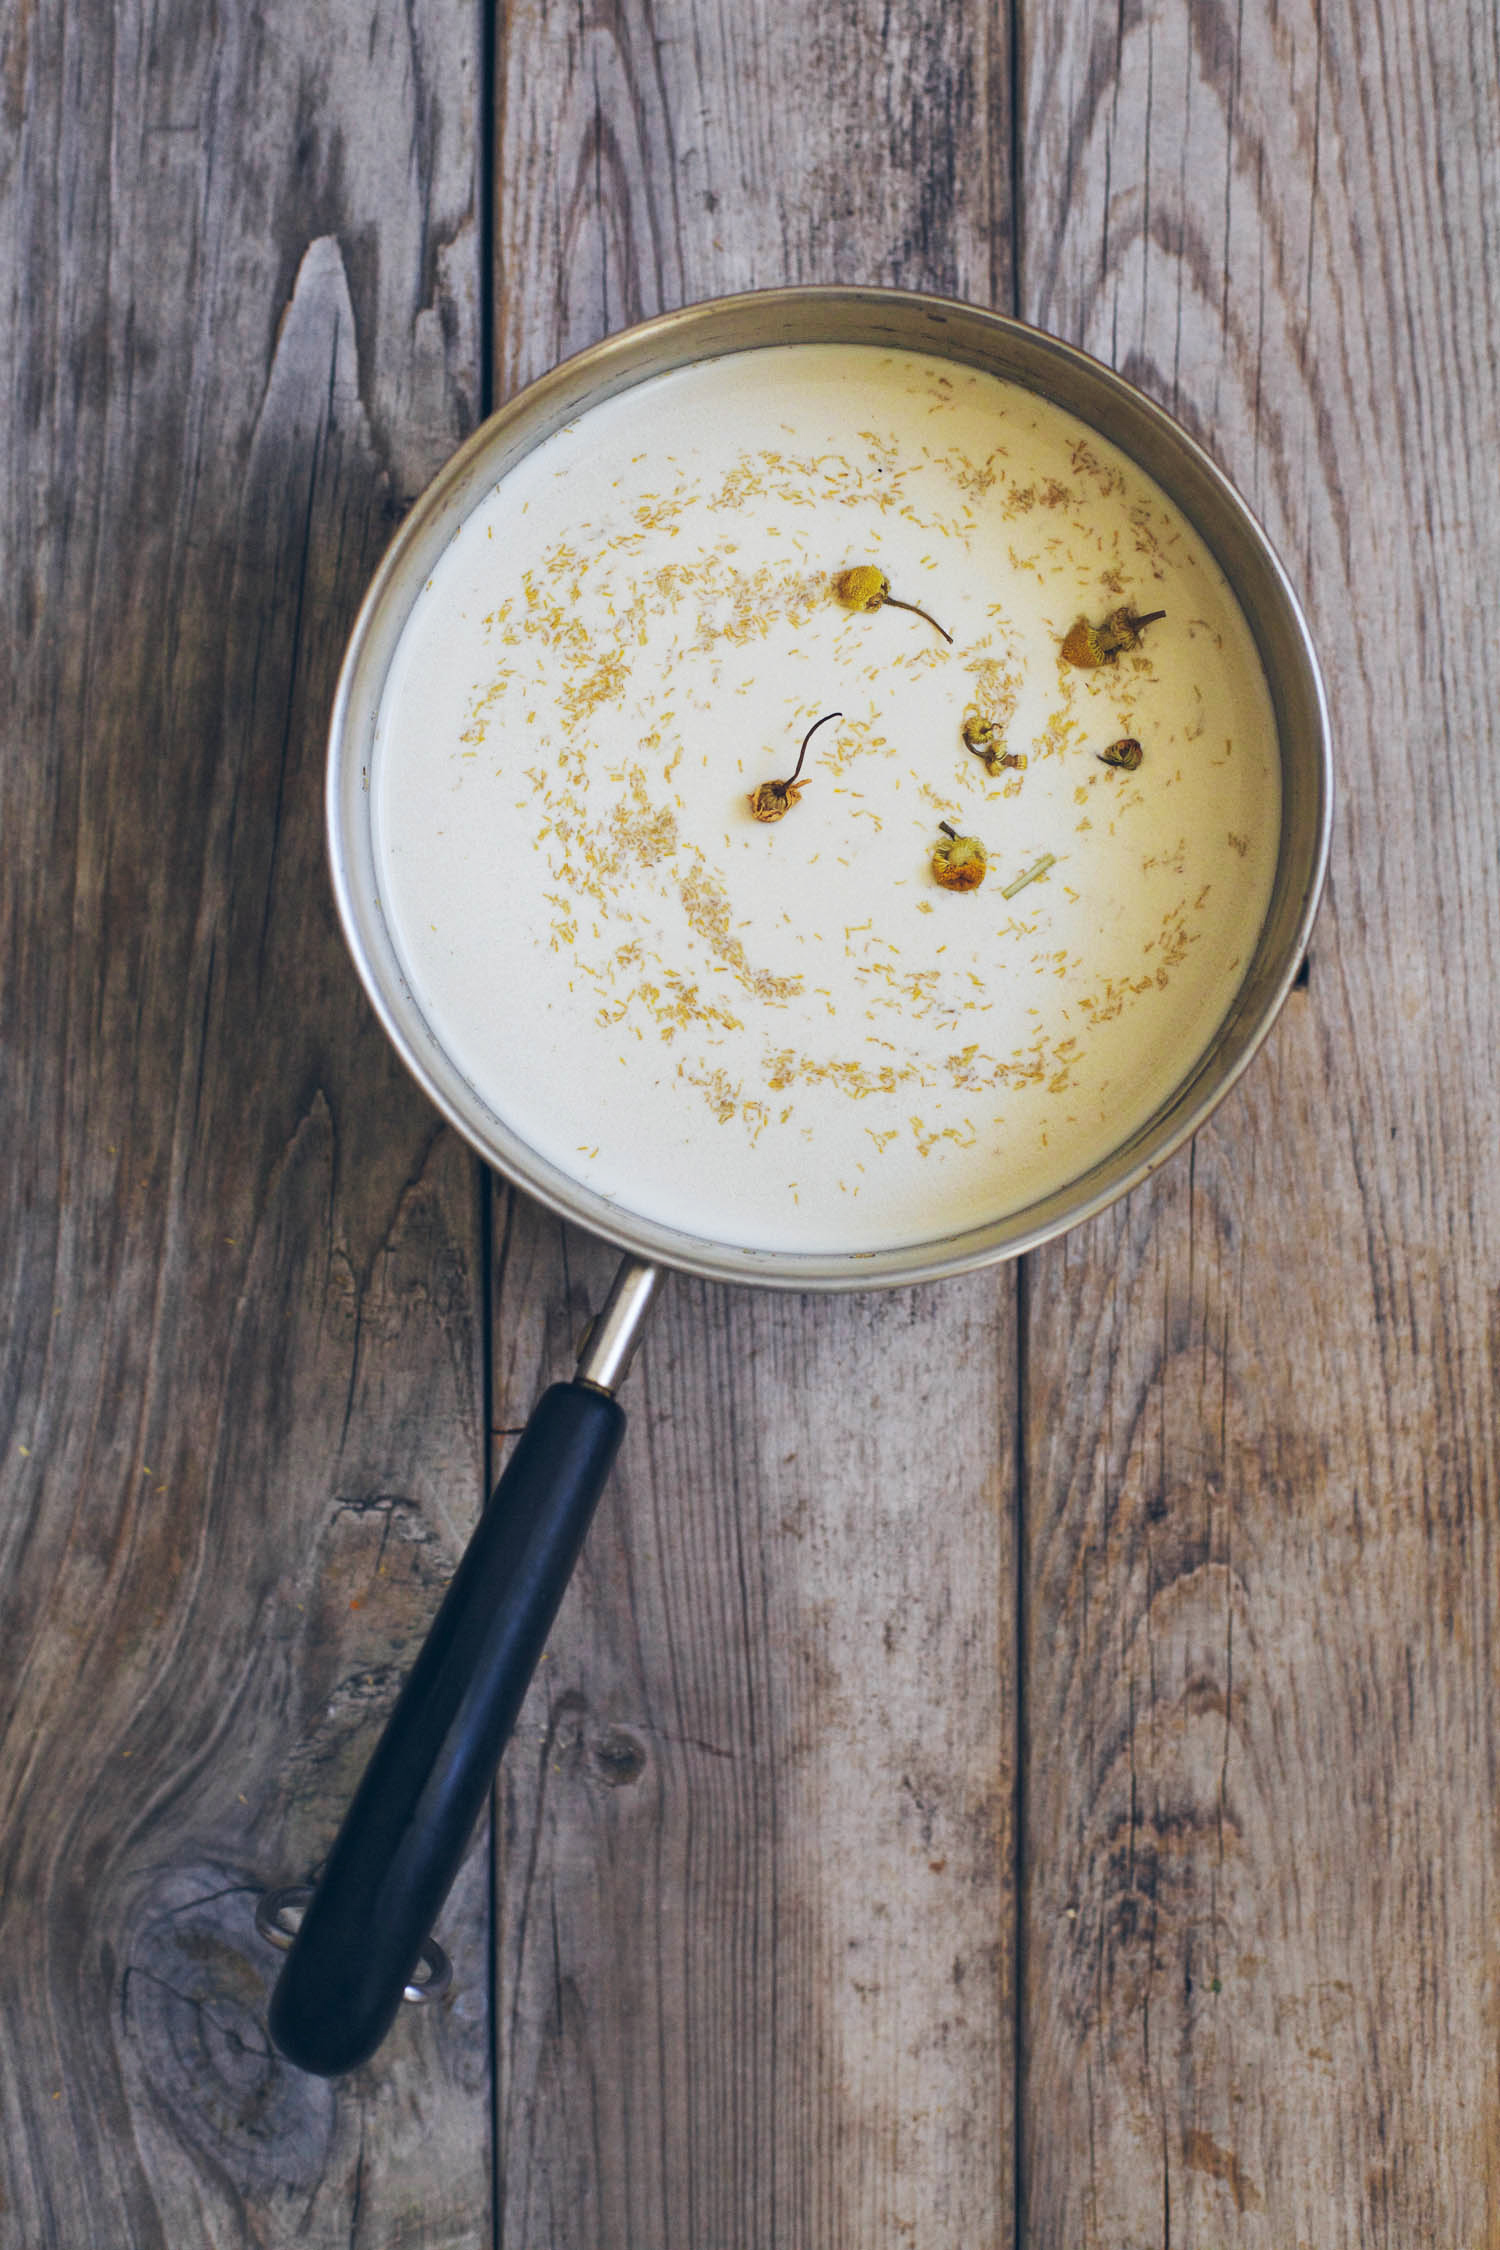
x: 399, y: 1848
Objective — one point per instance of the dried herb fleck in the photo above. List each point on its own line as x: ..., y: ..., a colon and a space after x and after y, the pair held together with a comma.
x: 774, y: 799
x: 959, y: 862
x: 1089, y: 646
x: 1126, y: 754
x: 1032, y: 875
x: 866, y: 587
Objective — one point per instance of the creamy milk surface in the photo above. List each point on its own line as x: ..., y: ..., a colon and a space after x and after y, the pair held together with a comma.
x: 786, y: 1035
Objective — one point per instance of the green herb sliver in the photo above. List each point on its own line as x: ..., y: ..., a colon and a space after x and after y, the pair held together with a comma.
x: 1032, y: 874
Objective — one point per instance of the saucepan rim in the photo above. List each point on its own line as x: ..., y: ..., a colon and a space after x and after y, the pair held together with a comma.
x: 946, y: 328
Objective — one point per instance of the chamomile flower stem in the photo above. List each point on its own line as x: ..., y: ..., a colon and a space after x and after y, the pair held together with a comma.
x: 892, y: 603
x: 806, y: 739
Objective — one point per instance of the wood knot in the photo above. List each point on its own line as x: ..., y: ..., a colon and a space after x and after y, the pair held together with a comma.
x: 619, y: 1757
x: 192, y: 2000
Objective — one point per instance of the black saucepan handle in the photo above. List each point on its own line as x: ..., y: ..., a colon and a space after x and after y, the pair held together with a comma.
x: 394, y: 1860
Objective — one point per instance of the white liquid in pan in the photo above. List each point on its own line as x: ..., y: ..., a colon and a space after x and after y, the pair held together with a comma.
x: 787, y: 1036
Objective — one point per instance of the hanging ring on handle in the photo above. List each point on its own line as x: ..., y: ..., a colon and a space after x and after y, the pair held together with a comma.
x: 278, y: 1917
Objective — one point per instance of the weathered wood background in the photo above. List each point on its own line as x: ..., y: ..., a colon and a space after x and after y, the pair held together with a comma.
x: 1081, y: 1834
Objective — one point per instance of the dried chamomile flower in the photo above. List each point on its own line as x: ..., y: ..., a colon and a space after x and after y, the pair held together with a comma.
x: 773, y: 799
x: 866, y: 587
x: 983, y: 738
x: 863, y: 587
x: 958, y: 862
x: 1126, y: 754
x: 1092, y: 645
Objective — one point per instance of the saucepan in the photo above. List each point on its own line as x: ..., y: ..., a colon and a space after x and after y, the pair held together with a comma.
x: 399, y: 1848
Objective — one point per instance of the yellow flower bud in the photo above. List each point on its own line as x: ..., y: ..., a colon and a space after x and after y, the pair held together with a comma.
x: 958, y: 862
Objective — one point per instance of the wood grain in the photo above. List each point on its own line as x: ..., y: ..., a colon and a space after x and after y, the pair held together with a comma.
x: 1259, y: 1985
x: 650, y: 155
x: 756, y: 1840
x: 754, y: 1919
x: 242, y: 1375
x: 759, y: 1956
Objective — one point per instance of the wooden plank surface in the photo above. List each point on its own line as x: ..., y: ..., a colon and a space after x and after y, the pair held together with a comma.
x: 756, y: 1821
x: 754, y: 1910
x: 758, y: 1952
x: 1259, y: 1985
x: 243, y: 1374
